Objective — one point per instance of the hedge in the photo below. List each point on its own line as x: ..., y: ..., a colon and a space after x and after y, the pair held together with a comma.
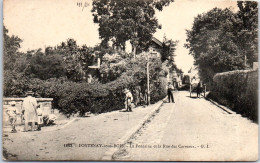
x: 72, y: 97
x: 237, y: 90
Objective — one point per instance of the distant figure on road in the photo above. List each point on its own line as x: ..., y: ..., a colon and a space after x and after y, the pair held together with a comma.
x: 30, y: 111
x: 199, y: 90
x: 170, y: 88
x: 12, y: 112
x: 128, y: 100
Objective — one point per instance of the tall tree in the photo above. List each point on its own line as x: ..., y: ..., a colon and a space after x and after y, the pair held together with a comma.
x: 248, y: 30
x: 123, y: 20
x: 76, y: 59
x: 216, y: 42
x: 44, y: 66
x: 11, y: 46
x: 168, y: 50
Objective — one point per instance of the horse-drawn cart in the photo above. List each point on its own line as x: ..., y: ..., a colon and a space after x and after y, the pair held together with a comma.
x: 194, y: 88
x: 190, y: 83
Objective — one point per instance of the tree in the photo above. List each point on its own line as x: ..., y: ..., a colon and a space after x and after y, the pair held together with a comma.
x: 215, y: 42
x: 168, y: 50
x: 11, y: 46
x: 248, y: 30
x: 123, y: 20
x: 45, y: 66
x: 76, y: 59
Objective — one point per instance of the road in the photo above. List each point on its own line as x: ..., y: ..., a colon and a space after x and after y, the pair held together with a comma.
x: 193, y: 130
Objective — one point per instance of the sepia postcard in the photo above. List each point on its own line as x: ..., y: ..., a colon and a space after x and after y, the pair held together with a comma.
x: 130, y: 80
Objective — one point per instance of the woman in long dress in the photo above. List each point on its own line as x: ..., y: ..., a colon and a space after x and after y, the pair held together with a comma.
x: 30, y: 111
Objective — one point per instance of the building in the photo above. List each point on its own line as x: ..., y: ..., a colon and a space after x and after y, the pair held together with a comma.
x: 175, y: 78
x: 156, y: 47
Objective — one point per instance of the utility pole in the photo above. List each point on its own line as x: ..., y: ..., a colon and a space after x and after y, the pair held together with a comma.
x: 148, y: 85
x: 134, y: 44
x: 245, y: 61
x: 148, y: 77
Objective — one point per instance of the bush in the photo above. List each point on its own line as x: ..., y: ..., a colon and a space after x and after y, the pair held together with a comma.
x: 158, y: 89
x: 71, y: 97
x: 74, y: 97
x: 238, y: 90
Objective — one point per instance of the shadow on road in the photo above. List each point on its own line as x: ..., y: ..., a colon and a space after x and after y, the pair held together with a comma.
x: 193, y: 97
x: 123, y: 111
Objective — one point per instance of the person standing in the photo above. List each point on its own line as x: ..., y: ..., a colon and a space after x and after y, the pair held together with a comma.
x: 30, y: 111
x: 12, y: 112
x: 128, y: 100
x: 169, y: 92
x: 198, y: 90
x: 40, y: 118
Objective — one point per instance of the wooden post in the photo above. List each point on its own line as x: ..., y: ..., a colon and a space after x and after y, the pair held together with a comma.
x: 245, y: 61
x: 204, y: 90
x: 148, y: 84
x: 134, y: 51
x: 190, y: 89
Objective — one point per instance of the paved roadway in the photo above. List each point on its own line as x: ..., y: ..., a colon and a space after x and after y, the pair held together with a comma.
x: 193, y: 130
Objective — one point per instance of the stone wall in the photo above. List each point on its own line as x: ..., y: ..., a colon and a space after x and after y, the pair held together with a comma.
x: 45, y: 105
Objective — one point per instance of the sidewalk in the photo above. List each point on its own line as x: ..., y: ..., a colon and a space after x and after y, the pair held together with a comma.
x: 84, y: 134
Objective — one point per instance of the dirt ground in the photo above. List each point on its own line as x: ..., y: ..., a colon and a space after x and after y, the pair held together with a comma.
x: 74, y: 139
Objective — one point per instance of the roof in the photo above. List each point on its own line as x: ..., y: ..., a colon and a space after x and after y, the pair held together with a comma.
x: 155, y: 40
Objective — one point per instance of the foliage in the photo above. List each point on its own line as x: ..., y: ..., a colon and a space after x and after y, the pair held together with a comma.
x: 14, y: 84
x: 10, y: 49
x: 80, y: 97
x: 71, y: 97
x: 168, y: 50
x: 123, y: 20
x: 248, y: 29
x: 59, y: 72
x: 217, y: 39
x: 76, y: 59
x: 115, y: 65
x: 168, y: 55
x: 45, y: 66
x: 65, y: 60
x: 112, y: 67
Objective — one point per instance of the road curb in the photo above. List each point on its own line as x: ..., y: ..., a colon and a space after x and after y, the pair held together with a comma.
x: 60, y: 127
x: 68, y: 123
x: 108, y: 156
x: 221, y: 106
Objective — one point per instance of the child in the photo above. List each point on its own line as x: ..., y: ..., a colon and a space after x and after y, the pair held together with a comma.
x: 40, y: 117
x: 12, y: 112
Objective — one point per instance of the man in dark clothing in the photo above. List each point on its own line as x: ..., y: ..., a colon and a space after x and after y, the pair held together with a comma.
x: 169, y: 90
x: 198, y: 90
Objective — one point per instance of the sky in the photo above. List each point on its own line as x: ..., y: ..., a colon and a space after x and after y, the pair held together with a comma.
x: 41, y: 23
